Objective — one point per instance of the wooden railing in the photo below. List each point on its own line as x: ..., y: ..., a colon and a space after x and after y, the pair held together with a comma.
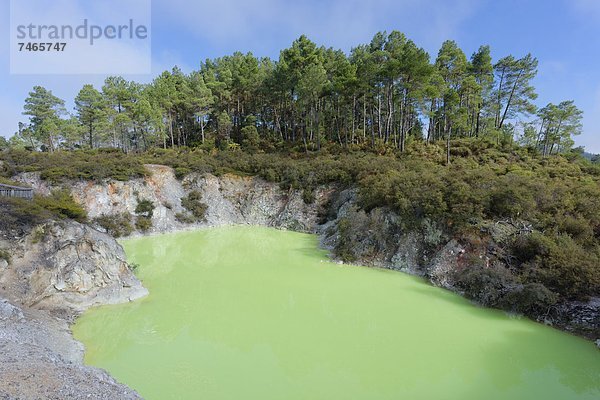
x: 16, y: 191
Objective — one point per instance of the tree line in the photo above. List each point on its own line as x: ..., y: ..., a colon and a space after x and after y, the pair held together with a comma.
x: 384, y: 93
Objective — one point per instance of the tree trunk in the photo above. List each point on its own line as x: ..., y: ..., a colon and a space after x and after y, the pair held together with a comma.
x: 318, y: 112
x: 478, y: 123
x: 448, y: 146
x: 512, y: 92
x: 171, y: 130
x: 91, y: 137
x: 364, y: 118
x: 353, y: 117
x: 379, y: 115
x: 498, y: 105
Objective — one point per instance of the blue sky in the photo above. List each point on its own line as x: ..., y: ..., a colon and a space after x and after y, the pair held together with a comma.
x: 563, y: 34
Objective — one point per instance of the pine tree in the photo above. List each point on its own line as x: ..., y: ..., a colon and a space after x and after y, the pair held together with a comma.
x: 44, y: 111
x: 91, y: 110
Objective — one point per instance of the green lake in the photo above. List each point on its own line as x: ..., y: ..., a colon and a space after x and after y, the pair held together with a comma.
x: 257, y: 313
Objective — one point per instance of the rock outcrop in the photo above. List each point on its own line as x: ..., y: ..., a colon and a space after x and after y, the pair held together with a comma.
x: 230, y: 199
x: 378, y: 238
x: 69, y: 267
x: 580, y: 317
x: 54, y: 273
x: 62, y: 268
x: 252, y: 201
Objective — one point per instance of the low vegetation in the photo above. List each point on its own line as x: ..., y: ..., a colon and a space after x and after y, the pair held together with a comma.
x: 192, y: 202
x: 144, y: 211
x: 143, y: 224
x: 5, y: 255
x: 20, y: 215
x: 115, y: 224
x: 61, y: 166
x: 144, y: 208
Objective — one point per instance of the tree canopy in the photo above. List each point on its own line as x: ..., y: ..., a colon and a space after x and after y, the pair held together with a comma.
x: 382, y: 94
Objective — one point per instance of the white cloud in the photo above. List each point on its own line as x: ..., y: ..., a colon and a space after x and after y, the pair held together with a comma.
x: 10, y: 114
x: 552, y: 67
x: 105, y: 56
x: 591, y: 126
x: 586, y: 6
x: 262, y: 23
x: 587, y: 11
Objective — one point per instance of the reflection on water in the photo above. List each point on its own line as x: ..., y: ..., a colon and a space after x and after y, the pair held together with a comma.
x: 255, y: 313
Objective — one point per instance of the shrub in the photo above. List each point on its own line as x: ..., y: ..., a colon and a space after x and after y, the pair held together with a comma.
x: 61, y: 203
x: 344, y: 248
x: 144, y: 208
x: 308, y: 196
x: 5, y: 255
x: 21, y: 214
x: 143, y: 223
x: 529, y: 299
x: 193, y: 203
x: 250, y: 137
x: 116, y: 225
x: 577, y: 228
x: 510, y: 201
x: 365, y: 235
x: 528, y: 247
x: 38, y: 234
x: 569, y: 269
x: 487, y: 286
x: 185, y: 218
x: 181, y: 172
x: 59, y: 166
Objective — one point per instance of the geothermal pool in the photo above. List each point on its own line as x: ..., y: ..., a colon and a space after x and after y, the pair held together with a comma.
x: 257, y: 313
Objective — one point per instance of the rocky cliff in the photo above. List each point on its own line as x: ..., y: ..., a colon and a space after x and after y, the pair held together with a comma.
x: 54, y: 273
x: 375, y: 238
x: 230, y: 199
x: 62, y: 268
x: 68, y: 266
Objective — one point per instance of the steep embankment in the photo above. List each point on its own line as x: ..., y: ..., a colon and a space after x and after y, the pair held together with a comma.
x: 230, y: 199
x: 69, y: 267
x: 376, y: 238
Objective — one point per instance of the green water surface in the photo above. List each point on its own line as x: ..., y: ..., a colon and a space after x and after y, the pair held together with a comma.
x: 256, y: 313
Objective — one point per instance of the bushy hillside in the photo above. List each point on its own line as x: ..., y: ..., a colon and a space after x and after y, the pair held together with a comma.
x: 557, y: 200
